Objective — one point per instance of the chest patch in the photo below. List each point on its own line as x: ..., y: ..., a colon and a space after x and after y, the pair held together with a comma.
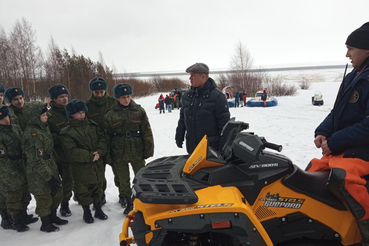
x: 40, y: 152
x: 354, y: 97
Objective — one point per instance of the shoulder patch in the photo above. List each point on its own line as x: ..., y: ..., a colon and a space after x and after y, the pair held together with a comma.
x: 49, y: 114
x: 34, y: 134
x: 354, y: 97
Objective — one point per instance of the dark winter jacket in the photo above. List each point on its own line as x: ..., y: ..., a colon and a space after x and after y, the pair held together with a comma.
x: 347, y: 125
x: 204, y: 112
x: 168, y: 100
x: 80, y: 138
x: 37, y: 143
x: 264, y: 96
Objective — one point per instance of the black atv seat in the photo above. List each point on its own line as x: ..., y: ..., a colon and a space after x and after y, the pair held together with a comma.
x: 314, y: 185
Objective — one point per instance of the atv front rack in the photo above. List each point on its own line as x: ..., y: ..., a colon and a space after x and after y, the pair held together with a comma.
x: 160, y: 182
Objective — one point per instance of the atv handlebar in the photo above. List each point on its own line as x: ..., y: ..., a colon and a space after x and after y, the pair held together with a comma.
x: 271, y: 145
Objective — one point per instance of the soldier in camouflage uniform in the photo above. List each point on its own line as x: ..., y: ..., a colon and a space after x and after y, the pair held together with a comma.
x: 41, y: 169
x: 85, y: 144
x: 57, y: 119
x: 98, y: 104
x: 131, y: 139
x: 12, y: 173
x: 15, y: 96
x: 5, y: 217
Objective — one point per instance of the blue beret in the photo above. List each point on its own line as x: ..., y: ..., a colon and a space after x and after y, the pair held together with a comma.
x: 4, y: 111
x: 12, y: 92
x: 98, y: 84
x: 122, y: 90
x: 58, y: 89
x: 2, y: 88
x: 75, y: 106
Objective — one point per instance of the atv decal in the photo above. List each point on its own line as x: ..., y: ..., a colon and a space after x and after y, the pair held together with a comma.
x: 263, y: 165
x: 193, y: 165
x: 248, y: 147
x: 216, y: 205
x: 274, y: 200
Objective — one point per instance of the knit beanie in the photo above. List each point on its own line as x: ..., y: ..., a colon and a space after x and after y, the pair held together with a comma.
x: 58, y: 89
x: 4, y: 111
x: 12, y: 92
x: 122, y: 90
x: 359, y: 38
x: 75, y: 106
x: 98, y: 84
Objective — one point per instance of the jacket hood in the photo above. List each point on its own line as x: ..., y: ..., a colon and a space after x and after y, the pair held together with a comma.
x: 32, y: 112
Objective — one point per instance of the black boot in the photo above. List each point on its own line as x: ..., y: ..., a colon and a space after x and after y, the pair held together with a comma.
x: 28, y: 218
x: 122, y: 201
x: 5, y: 219
x: 18, y: 223
x: 99, y: 213
x: 64, y: 209
x: 364, y: 229
x: 87, y: 216
x: 55, y: 219
x: 47, y: 225
x: 103, y: 200
x: 129, y: 207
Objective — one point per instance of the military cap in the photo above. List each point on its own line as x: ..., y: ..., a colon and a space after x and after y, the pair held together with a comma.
x: 58, y: 89
x: 198, y: 68
x: 98, y: 84
x: 75, y: 106
x: 359, y: 38
x: 122, y: 90
x: 2, y: 88
x: 12, y: 92
x: 4, y: 111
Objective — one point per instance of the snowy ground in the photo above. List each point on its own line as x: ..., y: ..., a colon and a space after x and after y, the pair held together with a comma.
x: 290, y: 124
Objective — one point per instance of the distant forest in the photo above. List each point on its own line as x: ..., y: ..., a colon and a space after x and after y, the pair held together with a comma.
x: 23, y: 64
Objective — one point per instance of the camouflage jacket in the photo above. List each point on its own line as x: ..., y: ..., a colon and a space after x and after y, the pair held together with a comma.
x: 37, y: 143
x: 57, y: 119
x: 98, y: 106
x: 80, y: 138
x: 129, y: 132
x: 12, y: 168
x: 16, y: 116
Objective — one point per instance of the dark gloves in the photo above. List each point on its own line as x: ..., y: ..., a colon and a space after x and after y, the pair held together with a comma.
x: 179, y: 144
x: 54, y: 185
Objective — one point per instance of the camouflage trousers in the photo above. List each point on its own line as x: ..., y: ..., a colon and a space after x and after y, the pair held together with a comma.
x: 116, y: 179
x: 46, y: 202
x: 67, y: 180
x: 18, y: 200
x: 123, y: 174
x: 88, y: 193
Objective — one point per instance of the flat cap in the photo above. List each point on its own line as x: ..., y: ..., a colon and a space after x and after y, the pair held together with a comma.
x: 198, y: 68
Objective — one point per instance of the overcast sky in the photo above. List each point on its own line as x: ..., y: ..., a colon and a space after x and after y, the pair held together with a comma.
x: 170, y: 35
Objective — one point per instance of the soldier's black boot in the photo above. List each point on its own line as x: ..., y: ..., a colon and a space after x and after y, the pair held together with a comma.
x: 47, y: 225
x: 55, y: 219
x: 64, y: 209
x: 87, y: 216
x: 364, y: 229
x: 122, y: 201
x: 98, y: 212
x: 103, y: 199
x: 28, y: 218
x: 18, y: 223
x: 129, y: 207
x: 5, y: 219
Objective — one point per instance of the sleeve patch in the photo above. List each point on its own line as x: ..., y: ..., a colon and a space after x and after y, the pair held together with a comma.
x: 2, y: 152
x: 40, y: 152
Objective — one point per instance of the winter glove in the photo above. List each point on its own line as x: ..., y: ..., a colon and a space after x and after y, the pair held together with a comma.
x: 54, y: 185
x: 179, y: 144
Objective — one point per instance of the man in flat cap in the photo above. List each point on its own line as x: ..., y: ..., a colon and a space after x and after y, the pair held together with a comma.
x: 98, y: 104
x: 57, y: 119
x: 204, y: 110
x: 343, y: 135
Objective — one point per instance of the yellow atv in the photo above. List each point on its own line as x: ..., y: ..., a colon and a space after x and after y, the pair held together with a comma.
x: 242, y: 195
